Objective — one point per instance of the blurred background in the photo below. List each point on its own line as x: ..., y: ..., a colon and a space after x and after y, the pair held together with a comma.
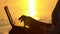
x: 40, y: 10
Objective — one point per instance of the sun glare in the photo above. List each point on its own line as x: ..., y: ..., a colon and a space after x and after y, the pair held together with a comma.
x: 31, y: 11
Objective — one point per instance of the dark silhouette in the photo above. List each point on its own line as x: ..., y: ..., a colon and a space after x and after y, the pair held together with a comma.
x: 17, y: 29
x: 56, y: 19
x: 36, y: 27
x: 40, y: 27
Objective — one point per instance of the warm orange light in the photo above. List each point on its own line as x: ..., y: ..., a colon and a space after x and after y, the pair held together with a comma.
x: 37, y: 9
